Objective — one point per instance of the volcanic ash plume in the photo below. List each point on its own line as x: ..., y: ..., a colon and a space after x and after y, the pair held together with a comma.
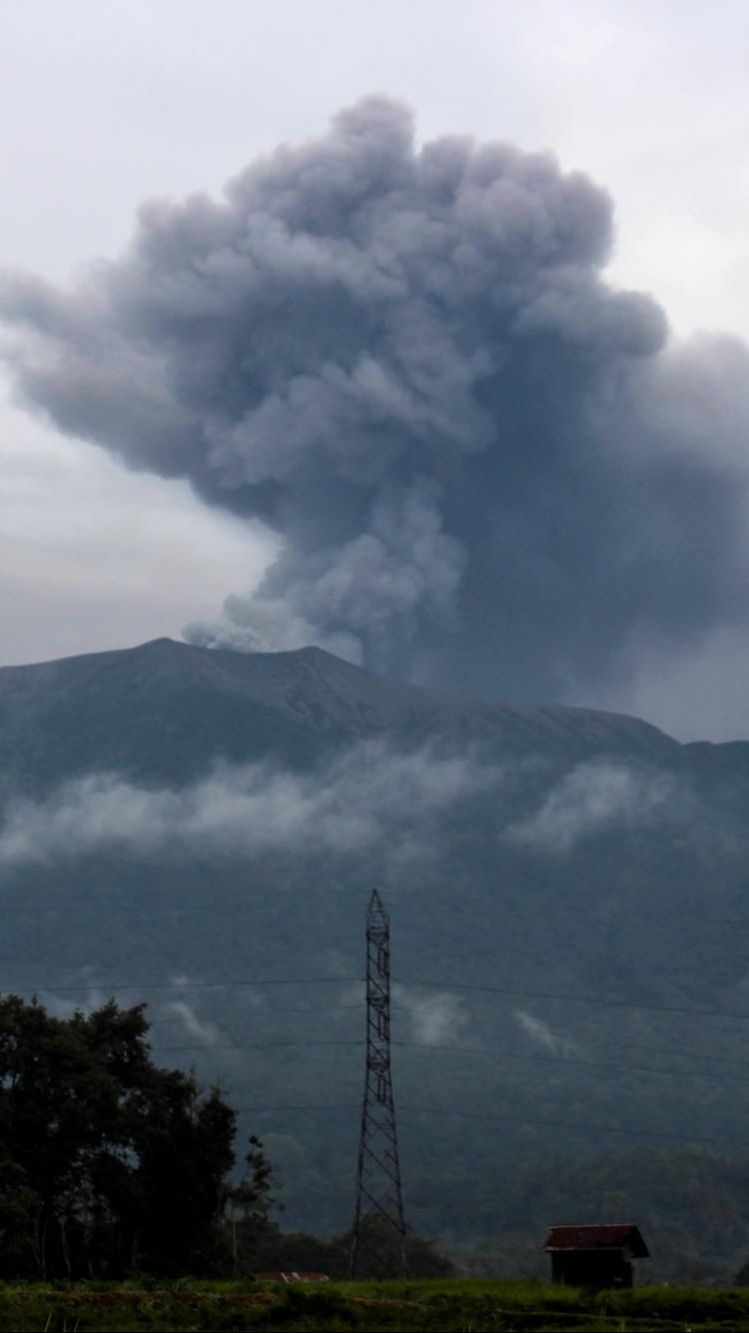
x: 487, y: 467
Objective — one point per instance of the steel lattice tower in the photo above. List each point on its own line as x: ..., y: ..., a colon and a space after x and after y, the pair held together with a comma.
x: 378, y: 1212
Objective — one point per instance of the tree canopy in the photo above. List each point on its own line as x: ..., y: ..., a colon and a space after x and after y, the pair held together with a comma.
x: 108, y: 1162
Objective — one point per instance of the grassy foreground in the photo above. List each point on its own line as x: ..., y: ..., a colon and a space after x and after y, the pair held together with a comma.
x: 470, y: 1305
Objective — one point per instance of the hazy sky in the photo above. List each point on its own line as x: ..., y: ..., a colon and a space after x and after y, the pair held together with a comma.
x: 108, y: 105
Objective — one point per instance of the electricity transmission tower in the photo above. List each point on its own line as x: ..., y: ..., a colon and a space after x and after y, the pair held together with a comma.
x: 379, y: 1225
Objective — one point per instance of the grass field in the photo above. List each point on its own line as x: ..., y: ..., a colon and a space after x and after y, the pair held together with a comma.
x: 470, y: 1305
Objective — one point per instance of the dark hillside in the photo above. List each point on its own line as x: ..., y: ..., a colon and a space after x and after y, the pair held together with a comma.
x: 567, y: 887
x: 164, y: 710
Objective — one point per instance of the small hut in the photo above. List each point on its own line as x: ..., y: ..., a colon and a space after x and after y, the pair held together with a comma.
x: 599, y: 1256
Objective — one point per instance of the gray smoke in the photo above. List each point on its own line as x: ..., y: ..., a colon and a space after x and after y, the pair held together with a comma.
x: 487, y: 467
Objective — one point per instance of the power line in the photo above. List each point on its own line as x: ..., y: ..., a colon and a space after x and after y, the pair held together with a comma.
x: 271, y: 1015
x: 438, y: 986
x: 439, y: 1112
x: 584, y: 1128
x: 268, y: 1015
x: 578, y: 999
x: 323, y: 1106
x: 150, y: 908
x: 310, y: 1013
x: 472, y: 1021
x: 561, y: 1059
x: 180, y: 985
x: 207, y: 1047
x: 571, y: 1060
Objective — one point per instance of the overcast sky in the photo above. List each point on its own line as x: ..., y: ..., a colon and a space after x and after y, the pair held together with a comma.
x: 106, y: 105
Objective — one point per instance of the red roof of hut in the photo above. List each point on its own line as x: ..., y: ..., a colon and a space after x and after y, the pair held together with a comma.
x: 618, y: 1236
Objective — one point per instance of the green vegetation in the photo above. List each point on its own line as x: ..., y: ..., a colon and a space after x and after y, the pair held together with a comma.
x: 108, y: 1163
x: 514, y: 1306
x: 692, y: 1208
x: 112, y: 1166
x: 267, y: 1249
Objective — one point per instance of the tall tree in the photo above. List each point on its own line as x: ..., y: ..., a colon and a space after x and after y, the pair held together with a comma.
x: 109, y: 1162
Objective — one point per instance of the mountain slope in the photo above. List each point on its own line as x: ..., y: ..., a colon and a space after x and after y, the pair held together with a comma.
x: 165, y: 709
x: 567, y: 887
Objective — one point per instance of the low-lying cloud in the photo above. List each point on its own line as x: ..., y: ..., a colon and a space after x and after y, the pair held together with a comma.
x: 435, y: 1018
x: 89, y: 994
x: 595, y: 796
x: 542, y: 1035
x: 205, y: 1033
x: 367, y: 797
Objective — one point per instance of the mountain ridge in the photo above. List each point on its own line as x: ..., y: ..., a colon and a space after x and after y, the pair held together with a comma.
x: 320, y: 693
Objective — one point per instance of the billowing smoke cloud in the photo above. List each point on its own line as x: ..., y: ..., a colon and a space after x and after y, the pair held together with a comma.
x: 366, y: 798
x: 487, y: 467
x: 589, y: 800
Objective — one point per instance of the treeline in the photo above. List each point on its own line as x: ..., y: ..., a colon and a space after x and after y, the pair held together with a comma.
x: 111, y: 1165
x: 692, y: 1207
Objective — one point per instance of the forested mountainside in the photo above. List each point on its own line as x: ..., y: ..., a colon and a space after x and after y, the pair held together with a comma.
x: 567, y: 890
